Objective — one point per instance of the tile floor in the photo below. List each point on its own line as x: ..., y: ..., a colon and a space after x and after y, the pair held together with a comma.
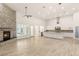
x: 40, y: 46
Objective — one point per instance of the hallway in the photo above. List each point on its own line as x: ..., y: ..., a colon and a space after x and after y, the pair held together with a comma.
x: 40, y: 46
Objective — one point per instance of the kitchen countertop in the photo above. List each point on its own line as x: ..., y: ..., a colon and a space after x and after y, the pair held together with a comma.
x: 70, y: 31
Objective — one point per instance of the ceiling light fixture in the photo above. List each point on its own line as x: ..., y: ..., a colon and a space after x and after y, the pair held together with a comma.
x: 62, y: 7
x: 26, y: 15
x: 59, y: 3
x: 44, y: 7
x: 50, y: 7
x: 73, y: 8
x: 58, y: 18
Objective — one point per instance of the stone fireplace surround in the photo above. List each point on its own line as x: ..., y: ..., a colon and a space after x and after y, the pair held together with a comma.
x: 2, y: 30
x: 7, y: 21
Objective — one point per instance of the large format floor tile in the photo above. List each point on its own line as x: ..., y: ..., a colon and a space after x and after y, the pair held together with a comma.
x: 40, y: 46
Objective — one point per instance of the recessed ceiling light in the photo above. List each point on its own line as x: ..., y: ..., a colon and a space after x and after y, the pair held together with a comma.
x: 50, y: 7
x: 73, y: 8
x: 62, y: 7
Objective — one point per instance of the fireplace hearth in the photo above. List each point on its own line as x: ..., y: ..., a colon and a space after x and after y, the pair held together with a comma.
x: 6, y: 35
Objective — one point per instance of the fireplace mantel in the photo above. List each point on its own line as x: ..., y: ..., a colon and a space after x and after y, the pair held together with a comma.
x: 5, y: 28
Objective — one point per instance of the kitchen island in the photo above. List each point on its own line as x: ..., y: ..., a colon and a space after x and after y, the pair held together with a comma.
x: 58, y: 34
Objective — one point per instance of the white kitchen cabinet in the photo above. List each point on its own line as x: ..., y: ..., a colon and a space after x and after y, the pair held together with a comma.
x: 58, y: 34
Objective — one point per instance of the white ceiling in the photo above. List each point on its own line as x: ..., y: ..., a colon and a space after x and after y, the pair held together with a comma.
x: 50, y: 11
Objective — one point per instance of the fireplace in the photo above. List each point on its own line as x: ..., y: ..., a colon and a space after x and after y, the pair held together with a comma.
x: 6, y: 35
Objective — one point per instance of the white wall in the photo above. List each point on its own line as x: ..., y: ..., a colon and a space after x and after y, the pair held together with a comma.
x: 76, y: 22
x: 76, y: 19
x: 31, y: 25
x: 65, y: 23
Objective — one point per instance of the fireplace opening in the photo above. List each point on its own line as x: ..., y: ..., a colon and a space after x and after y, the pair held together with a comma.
x: 6, y: 35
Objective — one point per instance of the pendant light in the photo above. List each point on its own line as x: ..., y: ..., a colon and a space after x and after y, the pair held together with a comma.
x: 58, y: 19
x: 59, y: 3
x: 27, y: 15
